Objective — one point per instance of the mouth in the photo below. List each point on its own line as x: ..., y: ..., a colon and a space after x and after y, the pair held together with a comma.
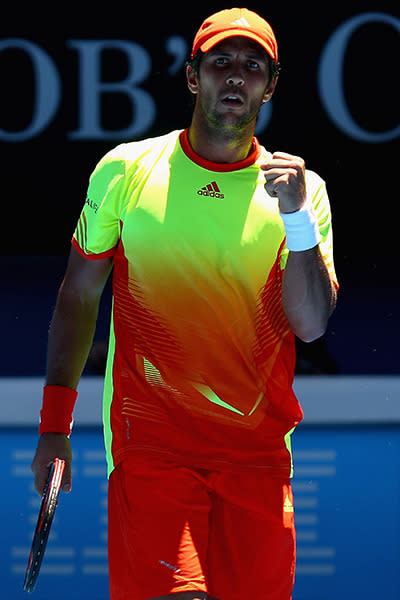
x: 232, y: 100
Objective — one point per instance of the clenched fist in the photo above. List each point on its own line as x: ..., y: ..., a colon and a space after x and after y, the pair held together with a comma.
x: 285, y: 180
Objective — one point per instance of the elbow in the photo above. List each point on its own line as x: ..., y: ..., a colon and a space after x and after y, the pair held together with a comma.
x: 310, y: 335
x: 311, y: 323
x: 309, y: 330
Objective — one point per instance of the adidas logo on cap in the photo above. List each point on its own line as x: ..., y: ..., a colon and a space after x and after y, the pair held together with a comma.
x: 241, y: 23
x: 212, y: 190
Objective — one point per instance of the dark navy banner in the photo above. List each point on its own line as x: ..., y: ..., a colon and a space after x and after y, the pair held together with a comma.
x: 78, y: 81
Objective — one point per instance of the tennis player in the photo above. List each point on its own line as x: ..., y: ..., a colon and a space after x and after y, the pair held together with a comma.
x: 221, y: 253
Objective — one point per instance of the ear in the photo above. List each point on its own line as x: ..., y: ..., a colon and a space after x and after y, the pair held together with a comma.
x: 270, y: 90
x: 192, y: 80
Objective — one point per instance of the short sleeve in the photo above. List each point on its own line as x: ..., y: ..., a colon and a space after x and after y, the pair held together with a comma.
x: 98, y: 228
x: 316, y: 190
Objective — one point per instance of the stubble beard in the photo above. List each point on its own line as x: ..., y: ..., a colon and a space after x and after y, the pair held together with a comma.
x: 231, y: 126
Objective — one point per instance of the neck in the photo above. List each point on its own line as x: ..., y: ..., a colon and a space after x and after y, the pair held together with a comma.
x: 220, y: 145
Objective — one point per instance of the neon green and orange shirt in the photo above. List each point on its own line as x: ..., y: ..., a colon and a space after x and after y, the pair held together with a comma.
x: 201, y: 358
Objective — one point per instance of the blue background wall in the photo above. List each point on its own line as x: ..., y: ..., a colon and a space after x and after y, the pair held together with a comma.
x: 347, y: 498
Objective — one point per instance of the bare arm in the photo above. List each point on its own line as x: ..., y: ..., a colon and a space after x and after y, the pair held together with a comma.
x: 74, y: 321
x: 70, y: 338
x: 308, y: 294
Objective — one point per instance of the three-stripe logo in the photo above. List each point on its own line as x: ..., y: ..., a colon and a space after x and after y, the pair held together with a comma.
x: 212, y: 190
x: 241, y: 22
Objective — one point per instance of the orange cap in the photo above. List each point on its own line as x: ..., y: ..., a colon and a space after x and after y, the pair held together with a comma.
x: 231, y: 22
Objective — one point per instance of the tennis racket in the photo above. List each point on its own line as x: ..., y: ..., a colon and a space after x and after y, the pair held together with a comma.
x: 45, y: 519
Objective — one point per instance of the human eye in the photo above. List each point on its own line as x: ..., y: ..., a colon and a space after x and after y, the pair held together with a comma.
x: 221, y: 61
x: 253, y: 65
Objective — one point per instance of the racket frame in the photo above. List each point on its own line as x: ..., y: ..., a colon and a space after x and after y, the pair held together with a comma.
x: 44, y: 522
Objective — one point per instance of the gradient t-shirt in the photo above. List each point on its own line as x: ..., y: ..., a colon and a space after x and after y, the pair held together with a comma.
x: 201, y: 357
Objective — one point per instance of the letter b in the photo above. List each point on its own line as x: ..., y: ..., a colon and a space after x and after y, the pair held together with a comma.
x: 91, y: 88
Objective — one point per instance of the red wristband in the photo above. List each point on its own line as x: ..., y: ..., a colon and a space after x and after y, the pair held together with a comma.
x: 57, y: 408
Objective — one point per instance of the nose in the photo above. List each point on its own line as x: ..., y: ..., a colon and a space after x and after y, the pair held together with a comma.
x: 233, y: 80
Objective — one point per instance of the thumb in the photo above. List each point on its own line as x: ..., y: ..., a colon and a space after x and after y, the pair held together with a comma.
x: 67, y: 478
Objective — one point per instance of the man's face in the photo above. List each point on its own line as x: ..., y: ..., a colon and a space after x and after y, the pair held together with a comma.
x: 233, y: 82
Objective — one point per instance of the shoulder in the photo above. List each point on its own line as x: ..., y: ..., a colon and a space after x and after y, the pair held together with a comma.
x: 130, y: 152
x: 314, y: 179
x: 129, y: 157
x: 316, y: 190
x: 264, y: 155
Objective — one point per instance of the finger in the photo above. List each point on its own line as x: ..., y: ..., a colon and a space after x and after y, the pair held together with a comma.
x: 279, y: 179
x: 280, y: 182
x: 283, y: 166
x: 295, y: 163
x: 271, y: 188
x: 272, y: 192
x: 283, y: 163
x: 41, y: 474
x: 280, y: 171
x: 67, y: 478
x: 287, y: 157
x: 283, y: 157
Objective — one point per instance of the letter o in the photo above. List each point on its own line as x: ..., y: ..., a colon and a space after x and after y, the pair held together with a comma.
x: 330, y: 78
x: 47, y: 90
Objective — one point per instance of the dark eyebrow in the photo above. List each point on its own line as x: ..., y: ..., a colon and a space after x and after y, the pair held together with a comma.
x: 250, y: 55
x: 214, y: 51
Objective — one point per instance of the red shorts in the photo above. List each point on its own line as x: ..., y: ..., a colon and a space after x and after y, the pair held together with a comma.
x: 175, y: 529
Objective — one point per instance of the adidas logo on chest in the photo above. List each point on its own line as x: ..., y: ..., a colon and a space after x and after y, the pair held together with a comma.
x: 212, y: 190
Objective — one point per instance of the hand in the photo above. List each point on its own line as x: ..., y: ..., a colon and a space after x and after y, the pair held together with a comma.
x: 51, y: 446
x: 285, y: 180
